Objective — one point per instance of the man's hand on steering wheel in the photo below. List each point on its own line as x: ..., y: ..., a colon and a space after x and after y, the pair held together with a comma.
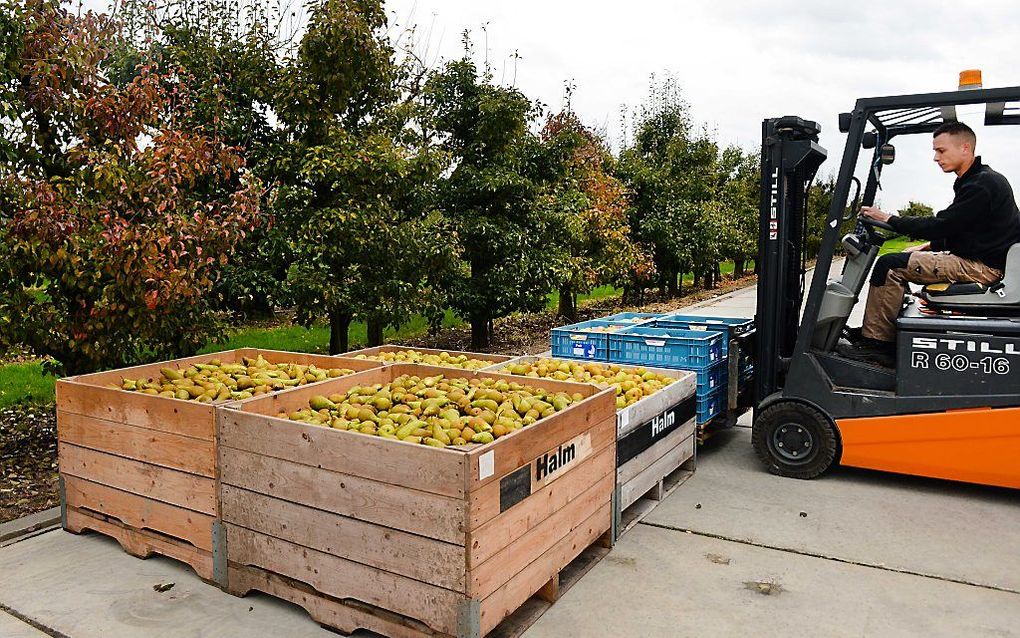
x: 871, y: 212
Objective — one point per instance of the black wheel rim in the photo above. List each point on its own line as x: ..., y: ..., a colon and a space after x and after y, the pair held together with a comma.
x: 793, y: 444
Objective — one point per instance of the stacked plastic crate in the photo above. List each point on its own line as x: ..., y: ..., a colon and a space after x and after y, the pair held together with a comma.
x: 698, y: 344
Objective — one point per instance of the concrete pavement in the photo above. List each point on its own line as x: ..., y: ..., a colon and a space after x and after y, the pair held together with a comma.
x: 733, y: 552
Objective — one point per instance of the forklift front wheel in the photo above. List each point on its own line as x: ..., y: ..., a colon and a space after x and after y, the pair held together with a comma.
x: 795, y: 440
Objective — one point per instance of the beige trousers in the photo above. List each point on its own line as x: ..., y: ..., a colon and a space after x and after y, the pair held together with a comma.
x: 924, y: 267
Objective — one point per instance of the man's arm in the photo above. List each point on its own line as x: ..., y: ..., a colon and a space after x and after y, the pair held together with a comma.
x: 968, y: 209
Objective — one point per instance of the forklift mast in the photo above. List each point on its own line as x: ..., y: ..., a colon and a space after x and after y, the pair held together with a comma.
x: 790, y: 157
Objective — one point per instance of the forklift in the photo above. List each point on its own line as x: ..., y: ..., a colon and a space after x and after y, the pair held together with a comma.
x: 951, y: 407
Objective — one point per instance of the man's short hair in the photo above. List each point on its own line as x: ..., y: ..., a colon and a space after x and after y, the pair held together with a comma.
x: 957, y: 129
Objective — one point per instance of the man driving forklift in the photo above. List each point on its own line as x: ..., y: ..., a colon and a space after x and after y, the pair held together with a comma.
x: 968, y: 242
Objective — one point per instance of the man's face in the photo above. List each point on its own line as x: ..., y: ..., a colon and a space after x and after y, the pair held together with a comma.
x: 951, y: 152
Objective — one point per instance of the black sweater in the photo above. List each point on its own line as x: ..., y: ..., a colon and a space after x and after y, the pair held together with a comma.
x: 981, y: 223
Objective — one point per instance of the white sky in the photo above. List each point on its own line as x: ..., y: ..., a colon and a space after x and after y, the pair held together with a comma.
x: 739, y: 61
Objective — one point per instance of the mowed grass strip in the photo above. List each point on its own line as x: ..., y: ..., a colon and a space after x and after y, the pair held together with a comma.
x: 25, y: 382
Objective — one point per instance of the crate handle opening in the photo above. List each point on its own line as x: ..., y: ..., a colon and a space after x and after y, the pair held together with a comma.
x: 579, y: 337
x: 655, y: 343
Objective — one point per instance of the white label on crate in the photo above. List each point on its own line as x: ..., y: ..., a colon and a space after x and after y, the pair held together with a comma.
x: 624, y: 418
x: 486, y: 465
x: 554, y: 463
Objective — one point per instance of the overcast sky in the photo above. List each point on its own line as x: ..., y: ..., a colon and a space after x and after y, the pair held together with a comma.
x: 739, y: 61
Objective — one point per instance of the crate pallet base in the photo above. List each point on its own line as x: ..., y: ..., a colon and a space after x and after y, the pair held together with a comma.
x: 347, y: 616
x: 643, y: 482
x: 651, y: 499
x: 140, y: 543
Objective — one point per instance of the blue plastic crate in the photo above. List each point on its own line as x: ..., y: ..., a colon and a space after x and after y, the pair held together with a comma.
x: 733, y: 327
x: 661, y: 348
x: 583, y: 340
x: 711, y: 405
x: 712, y: 378
x: 633, y: 318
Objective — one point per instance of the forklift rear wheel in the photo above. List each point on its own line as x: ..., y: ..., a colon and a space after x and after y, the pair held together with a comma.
x: 795, y: 440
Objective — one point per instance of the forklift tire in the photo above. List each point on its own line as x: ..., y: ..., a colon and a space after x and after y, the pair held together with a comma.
x: 795, y: 440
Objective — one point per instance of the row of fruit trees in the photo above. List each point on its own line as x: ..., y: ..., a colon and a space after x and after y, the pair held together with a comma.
x: 160, y: 166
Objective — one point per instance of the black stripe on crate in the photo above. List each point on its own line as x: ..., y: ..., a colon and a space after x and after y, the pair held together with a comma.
x: 648, y: 433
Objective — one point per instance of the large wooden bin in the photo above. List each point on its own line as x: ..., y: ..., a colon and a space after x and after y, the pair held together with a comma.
x: 142, y: 468
x: 655, y: 442
x: 408, y: 540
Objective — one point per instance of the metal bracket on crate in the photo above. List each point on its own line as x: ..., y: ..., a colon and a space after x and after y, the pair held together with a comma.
x: 469, y: 619
x: 63, y: 501
x: 733, y: 365
x: 617, y: 514
x: 219, y: 553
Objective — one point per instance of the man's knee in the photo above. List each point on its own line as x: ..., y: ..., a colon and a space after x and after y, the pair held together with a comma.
x: 887, y: 263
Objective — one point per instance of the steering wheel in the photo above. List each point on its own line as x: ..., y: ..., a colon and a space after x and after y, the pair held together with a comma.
x: 871, y: 225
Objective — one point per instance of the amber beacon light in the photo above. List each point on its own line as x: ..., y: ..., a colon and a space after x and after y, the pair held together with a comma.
x: 970, y: 79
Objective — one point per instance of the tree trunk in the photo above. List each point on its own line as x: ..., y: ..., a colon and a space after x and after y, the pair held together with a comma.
x: 479, y: 333
x: 706, y: 278
x: 375, y: 332
x: 718, y: 274
x: 339, y: 331
x: 674, y: 287
x: 738, y: 268
x: 567, y: 305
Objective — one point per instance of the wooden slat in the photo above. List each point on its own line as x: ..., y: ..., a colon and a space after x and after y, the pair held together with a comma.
x: 376, y: 350
x: 339, y: 578
x: 636, y: 465
x: 151, y: 370
x: 188, y: 454
x: 430, y: 561
x: 343, y: 616
x: 140, y: 512
x: 143, y: 544
x: 414, y: 511
x: 160, y: 483
x: 647, y: 478
x: 527, y: 444
x: 486, y: 578
x: 491, y: 530
x: 393, y: 462
x: 143, y: 410
x: 532, y: 578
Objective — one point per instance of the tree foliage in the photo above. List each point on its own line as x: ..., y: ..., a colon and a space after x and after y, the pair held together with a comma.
x: 916, y: 209
x: 490, y: 192
x: 590, y: 205
x: 121, y: 210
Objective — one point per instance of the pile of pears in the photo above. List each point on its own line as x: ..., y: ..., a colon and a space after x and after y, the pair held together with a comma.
x: 218, y: 381
x: 443, y: 359
x: 435, y: 410
x: 632, y: 384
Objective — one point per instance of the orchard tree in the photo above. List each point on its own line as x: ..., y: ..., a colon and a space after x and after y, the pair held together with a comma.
x: 490, y: 192
x: 590, y: 205
x: 740, y: 194
x: 354, y: 179
x: 916, y: 209
x: 671, y: 168
x: 121, y: 209
x: 232, y: 53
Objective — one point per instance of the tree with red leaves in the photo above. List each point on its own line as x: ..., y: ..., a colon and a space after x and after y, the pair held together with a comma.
x: 117, y: 211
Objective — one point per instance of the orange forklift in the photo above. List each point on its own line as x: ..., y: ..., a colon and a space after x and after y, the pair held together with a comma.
x: 951, y: 407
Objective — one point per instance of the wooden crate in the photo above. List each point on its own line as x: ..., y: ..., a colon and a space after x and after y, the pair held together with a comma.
x: 408, y: 540
x: 370, y: 352
x: 142, y: 468
x: 654, y: 446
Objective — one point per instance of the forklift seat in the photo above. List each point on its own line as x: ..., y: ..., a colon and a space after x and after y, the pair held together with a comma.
x: 1002, y: 297
x: 960, y: 288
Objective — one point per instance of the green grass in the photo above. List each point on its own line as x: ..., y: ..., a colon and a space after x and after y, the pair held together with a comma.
x: 897, y: 245
x: 25, y: 382
x: 316, y: 338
